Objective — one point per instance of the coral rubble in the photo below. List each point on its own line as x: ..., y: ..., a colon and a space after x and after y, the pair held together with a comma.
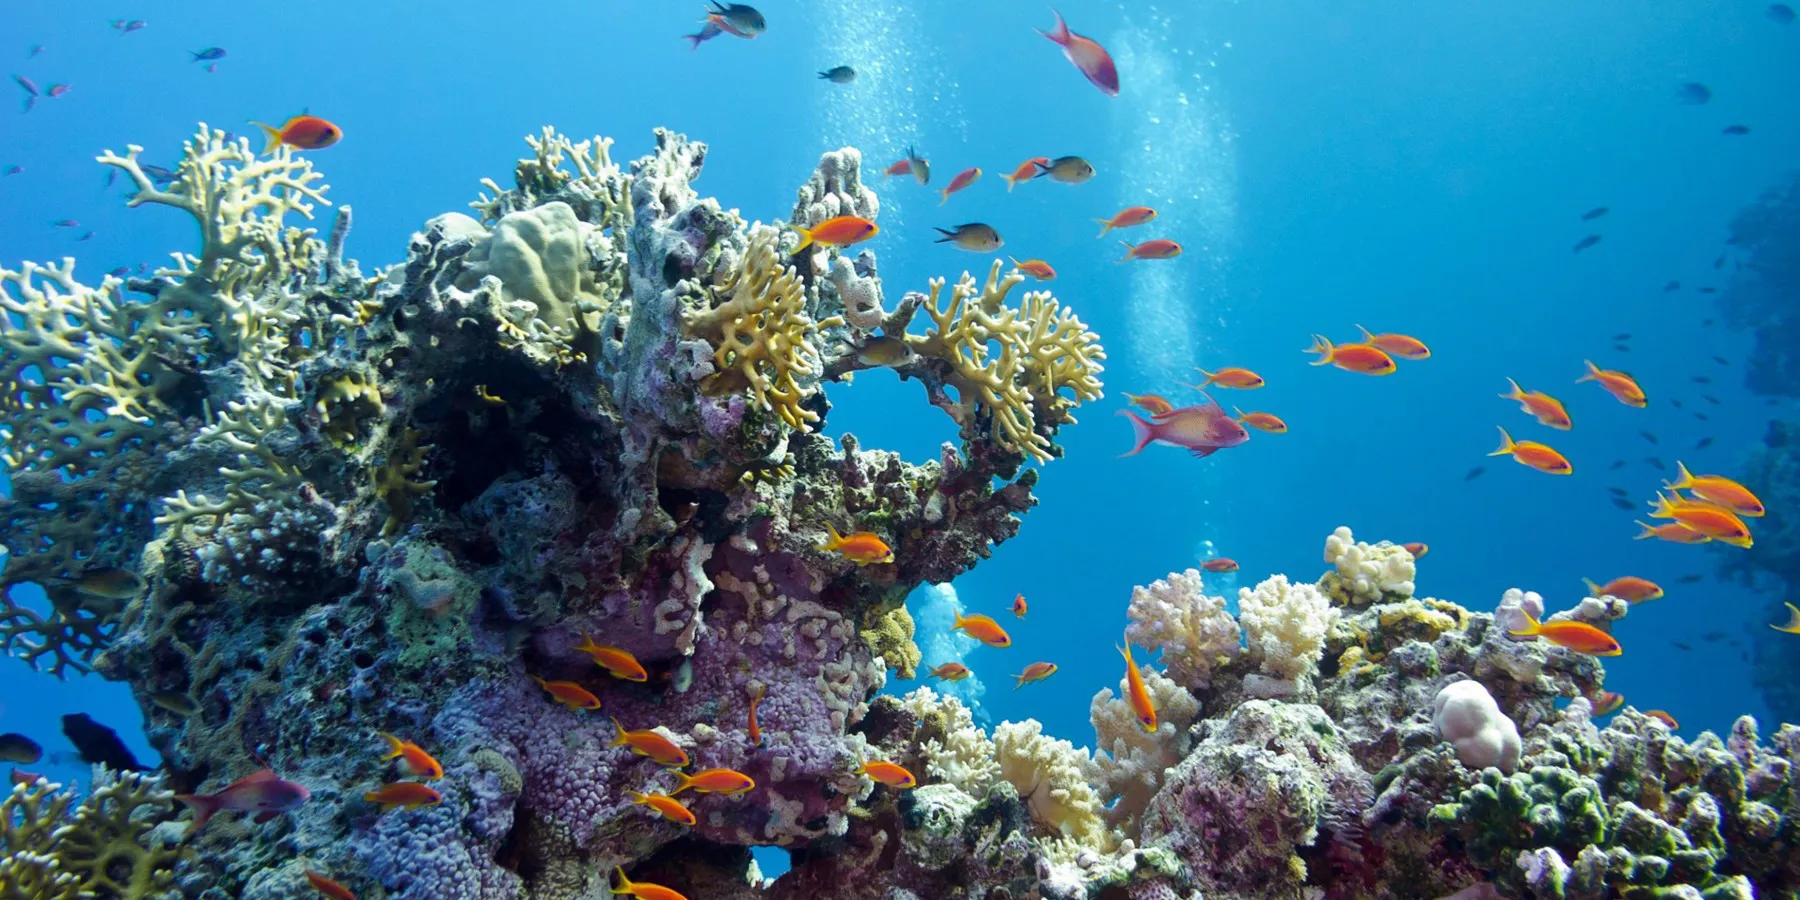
x: 585, y: 425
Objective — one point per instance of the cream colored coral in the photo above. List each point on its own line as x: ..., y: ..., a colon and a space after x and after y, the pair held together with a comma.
x: 1011, y: 365
x: 965, y: 757
x: 1367, y: 572
x: 1129, y: 762
x: 595, y: 176
x: 1194, y: 631
x: 1285, y: 625
x: 1050, y: 775
x: 762, y: 338
x: 545, y: 296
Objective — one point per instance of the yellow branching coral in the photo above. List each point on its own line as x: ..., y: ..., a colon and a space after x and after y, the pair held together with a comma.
x: 1010, y: 365
x: 346, y: 401
x: 889, y: 635
x: 52, y: 848
x: 395, y: 484
x: 261, y: 476
x: 762, y: 338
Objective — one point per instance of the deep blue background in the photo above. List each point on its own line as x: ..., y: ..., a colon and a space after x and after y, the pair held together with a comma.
x: 1412, y: 167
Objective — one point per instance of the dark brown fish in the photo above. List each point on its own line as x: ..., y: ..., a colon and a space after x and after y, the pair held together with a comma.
x: 1701, y: 379
x: 1616, y: 466
x: 1683, y: 645
x: 1660, y: 467
x: 1710, y: 399
x: 1709, y: 290
x: 98, y: 744
x: 1621, y: 348
x: 1702, y: 417
x: 1623, y: 503
x: 1619, y: 491
x: 1720, y: 262
x: 1622, y: 336
x: 1594, y: 213
x: 1675, y: 403
x: 1474, y: 473
x: 1708, y: 322
x: 17, y: 748
x: 1722, y: 360
x: 1672, y: 286
x: 1690, y: 579
x: 1713, y: 637
x: 1586, y: 242
x: 1703, y: 443
x: 1648, y: 436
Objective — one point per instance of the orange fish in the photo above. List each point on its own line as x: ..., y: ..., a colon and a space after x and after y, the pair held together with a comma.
x: 951, y: 671
x: 1533, y: 454
x: 1136, y: 694
x: 1664, y: 718
x: 618, y: 662
x: 962, y: 180
x: 1417, y: 548
x: 412, y: 757
x: 890, y: 774
x: 569, y: 694
x: 983, y: 629
x: 1026, y: 171
x: 1399, y: 346
x: 1126, y: 218
x: 1715, y: 522
x: 1220, y: 564
x: 1018, y: 606
x: 403, y: 794
x: 1717, y: 489
x: 756, y: 696
x: 1036, y: 268
x: 1157, y: 248
x: 301, y: 133
x: 1673, y: 532
x: 666, y: 806
x: 1546, y: 408
x: 1625, y: 587
x: 647, y: 743
x: 1152, y: 404
x: 1606, y: 703
x: 903, y: 167
x: 328, y: 888
x: 1571, y: 635
x: 1231, y: 377
x: 837, y: 231
x: 1262, y: 421
x: 644, y: 890
x: 860, y: 547
x: 714, y: 781
x: 1619, y: 384
x: 1360, y: 358
x: 1037, y: 671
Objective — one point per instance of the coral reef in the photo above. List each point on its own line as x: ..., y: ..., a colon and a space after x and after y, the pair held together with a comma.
x: 55, y: 845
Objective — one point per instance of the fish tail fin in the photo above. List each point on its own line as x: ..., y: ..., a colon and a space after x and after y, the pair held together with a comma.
x: 806, y: 237
x: 1367, y: 335
x: 1125, y: 649
x: 618, y: 733
x: 1130, y: 251
x: 395, y: 746
x: 757, y: 692
x: 1240, y: 414
x: 1009, y: 179
x: 836, y: 538
x: 636, y: 797
x: 272, y: 133
x: 1141, y: 433
x: 1648, y: 532
x: 1593, y: 372
x: 1684, y: 479
x: 1106, y: 227
x: 947, y: 235
x: 203, y: 805
x: 959, y: 621
x: 1061, y: 34
x: 1593, y: 589
x: 1021, y: 681
x: 1322, y: 346
x: 1210, y: 378
x: 683, y: 781
x: 695, y: 40
x: 1532, y: 625
x: 1517, y: 393
x: 1506, y: 444
x: 945, y: 198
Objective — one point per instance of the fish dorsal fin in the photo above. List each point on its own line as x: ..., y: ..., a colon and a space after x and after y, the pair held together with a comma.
x: 257, y: 777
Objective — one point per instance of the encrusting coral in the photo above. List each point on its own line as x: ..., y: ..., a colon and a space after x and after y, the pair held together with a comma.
x: 586, y: 427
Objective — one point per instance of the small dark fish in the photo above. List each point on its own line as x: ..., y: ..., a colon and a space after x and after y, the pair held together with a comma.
x: 1693, y: 93
x: 1703, y: 443
x: 1595, y: 213
x: 36, y: 50
x: 1720, y: 262
x: 1622, y: 336
x: 1709, y: 290
x: 1702, y: 417
x: 143, y: 267
x: 977, y: 237
x: 1616, y: 466
x: 159, y: 175
x: 132, y: 26
x: 177, y: 702
x: 1701, y: 379
x: 1707, y: 323
x: 1722, y: 360
x: 14, y: 170
x: 1713, y: 637
x: 1690, y: 579
x: 1619, y: 491
x: 120, y: 272
x: 1672, y: 286
x: 1711, y: 399
x: 17, y: 748
x: 1660, y: 466
x: 1648, y: 436
x: 211, y: 68
x: 839, y: 74
x: 1586, y: 242
x: 1780, y: 12
x: 26, y: 83
x: 1675, y: 402
x: 1744, y: 656
x: 1474, y: 473
x: 56, y: 90
x: 66, y: 223
x: 112, y: 175
x: 1683, y: 645
x: 1623, y: 503
x: 99, y: 745
x: 208, y: 53
x: 86, y: 237
x: 1622, y: 348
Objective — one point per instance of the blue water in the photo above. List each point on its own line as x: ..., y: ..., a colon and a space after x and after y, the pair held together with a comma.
x: 1419, y: 170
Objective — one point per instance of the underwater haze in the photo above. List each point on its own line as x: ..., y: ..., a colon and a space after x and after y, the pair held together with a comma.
x: 1522, y: 187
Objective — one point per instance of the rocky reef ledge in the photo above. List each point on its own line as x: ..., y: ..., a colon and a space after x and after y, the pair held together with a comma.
x: 332, y: 506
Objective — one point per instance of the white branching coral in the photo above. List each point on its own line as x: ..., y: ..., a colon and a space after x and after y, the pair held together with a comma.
x: 762, y: 338
x: 1285, y: 625
x: 1129, y: 762
x: 1194, y: 631
x: 964, y: 756
x: 1366, y: 573
x: 1050, y: 775
x: 1011, y: 366
x: 595, y: 178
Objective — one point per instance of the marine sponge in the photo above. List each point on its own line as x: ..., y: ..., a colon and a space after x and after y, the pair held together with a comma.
x: 1286, y: 625
x: 763, y: 339
x: 1194, y: 632
x: 1010, y: 366
x: 1467, y: 716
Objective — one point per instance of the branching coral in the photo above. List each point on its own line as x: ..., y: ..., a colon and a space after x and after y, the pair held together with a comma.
x: 1194, y: 632
x: 957, y: 752
x: 1286, y: 625
x: 1050, y: 776
x: 1129, y: 762
x: 1010, y: 366
x: 53, y: 848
